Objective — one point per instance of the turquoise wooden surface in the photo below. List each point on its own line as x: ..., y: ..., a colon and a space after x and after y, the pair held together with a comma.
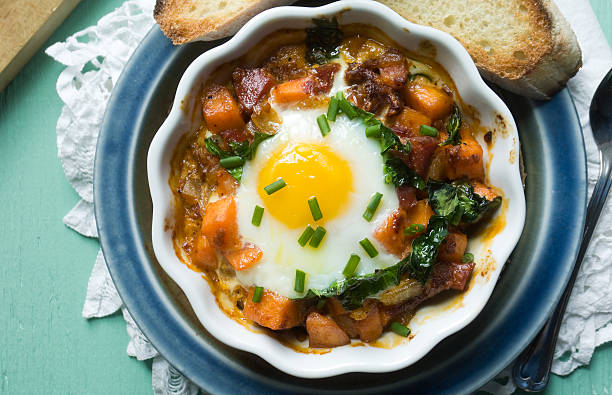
x: 45, y: 345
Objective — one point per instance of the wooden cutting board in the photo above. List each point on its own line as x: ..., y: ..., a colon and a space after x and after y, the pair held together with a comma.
x: 24, y: 26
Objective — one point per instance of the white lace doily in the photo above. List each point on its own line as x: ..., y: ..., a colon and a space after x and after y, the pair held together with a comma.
x: 94, y: 59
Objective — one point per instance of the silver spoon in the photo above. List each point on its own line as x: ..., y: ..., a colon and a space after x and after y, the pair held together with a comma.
x: 531, y: 370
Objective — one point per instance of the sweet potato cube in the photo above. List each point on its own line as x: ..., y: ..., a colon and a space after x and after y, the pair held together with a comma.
x: 409, y: 121
x: 221, y: 112
x: 245, y: 257
x: 419, y: 213
x: 453, y: 247
x: 428, y: 99
x: 275, y: 311
x: 323, y: 332
x: 203, y: 255
x: 465, y: 159
x: 391, y: 232
x: 293, y: 90
x: 219, y: 224
x: 370, y: 328
x: 483, y: 190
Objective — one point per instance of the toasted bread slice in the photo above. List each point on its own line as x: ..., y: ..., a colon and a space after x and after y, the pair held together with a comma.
x: 188, y: 20
x: 525, y: 46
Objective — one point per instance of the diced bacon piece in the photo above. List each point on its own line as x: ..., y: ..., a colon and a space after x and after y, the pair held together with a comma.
x: 406, y: 196
x: 421, y: 154
x: 251, y: 85
x: 324, y: 77
x: 323, y: 332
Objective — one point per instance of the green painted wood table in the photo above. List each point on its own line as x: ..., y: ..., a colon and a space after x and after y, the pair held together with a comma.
x: 45, y: 345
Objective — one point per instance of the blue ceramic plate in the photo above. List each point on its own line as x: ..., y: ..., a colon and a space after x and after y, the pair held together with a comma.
x: 533, y: 280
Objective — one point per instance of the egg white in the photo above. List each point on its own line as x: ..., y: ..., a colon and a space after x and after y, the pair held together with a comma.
x: 282, y: 254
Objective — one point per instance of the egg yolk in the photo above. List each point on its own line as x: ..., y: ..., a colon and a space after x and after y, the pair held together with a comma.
x: 308, y: 169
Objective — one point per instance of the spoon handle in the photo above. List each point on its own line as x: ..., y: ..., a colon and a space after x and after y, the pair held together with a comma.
x: 531, y: 370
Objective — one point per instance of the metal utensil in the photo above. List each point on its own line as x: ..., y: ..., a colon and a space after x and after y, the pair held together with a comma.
x: 531, y: 370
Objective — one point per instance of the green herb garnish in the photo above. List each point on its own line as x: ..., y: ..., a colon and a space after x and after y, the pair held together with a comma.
x: 300, y: 279
x: 458, y: 202
x: 397, y: 173
x: 452, y: 127
x: 257, y: 215
x: 467, y: 257
x: 332, y: 110
x: 257, y: 294
x: 368, y: 247
x: 239, y: 151
x: 323, y: 40
x: 323, y: 125
x: 351, y: 265
x: 400, y: 329
x: 368, y: 214
x: 317, y: 237
x: 275, y: 186
x: 306, y: 235
x: 430, y: 131
x: 315, y: 210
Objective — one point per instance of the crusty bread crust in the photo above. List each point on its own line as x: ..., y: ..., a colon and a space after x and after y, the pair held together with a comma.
x: 540, y: 60
x: 179, y: 19
x: 538, y: 65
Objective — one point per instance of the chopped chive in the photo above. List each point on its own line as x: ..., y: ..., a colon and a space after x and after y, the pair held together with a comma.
x: 373, y: 130
x: 332, y: 110
x: 467, y: 257
x: 306, y: 235
x: 345, y: 106
x: 428, y: 131
x: 368, y: 214
x: 321, y: 303
x: 413, y: 229
x: 317, y: 237
x: 257, y: 294
x: 231, y: 162
x: 315, y: 210
x: 369, y: 248
x: 400, y: 329
x: 257, y: 214
x: 275, y: 186
x: 300, y: 279
x: 351, y: 265
x: 323, y: 125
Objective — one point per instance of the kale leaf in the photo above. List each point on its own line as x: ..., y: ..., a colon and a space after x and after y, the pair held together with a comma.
x: 242, y: 149
x: 425, y: 248
x: 458, y: 202
x: 352, y: 291
x: 452, y: 127
x: 397, y: 173
x: 323, y: 41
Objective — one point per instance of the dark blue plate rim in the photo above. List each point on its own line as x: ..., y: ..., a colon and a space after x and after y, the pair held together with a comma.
x: 119, y: 162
